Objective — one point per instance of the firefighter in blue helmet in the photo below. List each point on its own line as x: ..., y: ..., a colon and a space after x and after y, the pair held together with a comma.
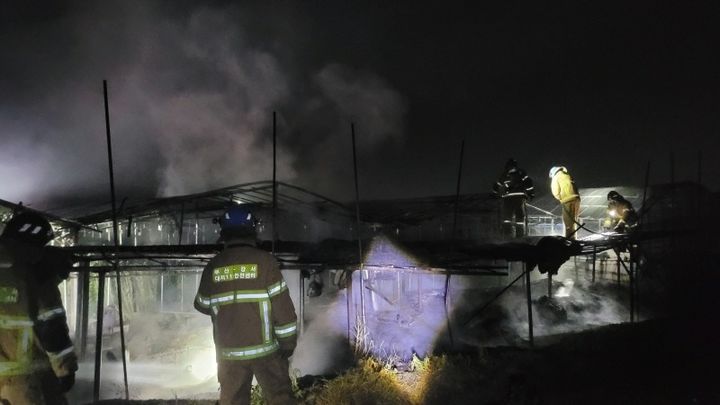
x: 515, y: 187
x: 254, y: 320
x: 37, y: 359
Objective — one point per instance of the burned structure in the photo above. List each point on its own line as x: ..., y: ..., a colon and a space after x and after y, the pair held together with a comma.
x: 418, y: 278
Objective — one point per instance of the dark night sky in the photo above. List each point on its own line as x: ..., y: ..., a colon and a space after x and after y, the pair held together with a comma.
x: 600, y: 87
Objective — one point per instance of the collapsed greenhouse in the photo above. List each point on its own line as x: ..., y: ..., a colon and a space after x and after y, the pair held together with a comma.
x: 421, y: 270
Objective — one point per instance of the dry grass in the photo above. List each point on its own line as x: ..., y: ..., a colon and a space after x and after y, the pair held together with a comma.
x: 371, y: 382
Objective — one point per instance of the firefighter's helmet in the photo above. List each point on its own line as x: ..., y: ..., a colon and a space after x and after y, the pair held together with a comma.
x: 237, y: 221
x: 28, y: 227
x: 510, y: 164
x: 613, y: 196
x: 554, y: 170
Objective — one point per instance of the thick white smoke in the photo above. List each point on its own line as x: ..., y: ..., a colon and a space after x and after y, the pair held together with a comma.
x: 191, y: 92
x: 215, y: 131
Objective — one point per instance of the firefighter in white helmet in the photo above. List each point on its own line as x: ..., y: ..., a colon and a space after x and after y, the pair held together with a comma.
x: 253, y: 317
x: 565, y: 191
x: 37, y: 359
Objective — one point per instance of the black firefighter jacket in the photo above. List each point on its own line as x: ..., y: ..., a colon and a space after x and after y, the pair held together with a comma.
x: 33, y: 327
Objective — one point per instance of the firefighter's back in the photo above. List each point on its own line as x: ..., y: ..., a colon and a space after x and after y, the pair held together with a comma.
x: 238, y: 291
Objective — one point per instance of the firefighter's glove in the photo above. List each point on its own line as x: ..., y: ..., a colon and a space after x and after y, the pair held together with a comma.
x: 67, y: 382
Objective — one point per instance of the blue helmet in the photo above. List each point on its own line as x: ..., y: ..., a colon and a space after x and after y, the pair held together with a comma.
x: 238, y: 218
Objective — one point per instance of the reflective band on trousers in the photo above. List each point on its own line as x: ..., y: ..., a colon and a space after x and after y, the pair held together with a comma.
x: 59, y: 355
x: 248, y: 353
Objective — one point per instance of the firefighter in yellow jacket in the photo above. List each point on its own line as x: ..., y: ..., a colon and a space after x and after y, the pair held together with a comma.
x: 565, y: 191
x: 253, y: 317
x: 37, y: 360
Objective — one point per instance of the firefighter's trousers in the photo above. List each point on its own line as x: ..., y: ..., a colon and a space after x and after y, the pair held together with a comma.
x: 41, y: 388
x: 513, y: 215
x: 570, y: 212
x: 271, y: 372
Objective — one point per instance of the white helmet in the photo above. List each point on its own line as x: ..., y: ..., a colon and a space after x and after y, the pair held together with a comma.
x: 554, y: 170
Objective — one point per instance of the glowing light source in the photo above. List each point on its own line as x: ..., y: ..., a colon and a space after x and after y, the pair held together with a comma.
x: 203, y: 365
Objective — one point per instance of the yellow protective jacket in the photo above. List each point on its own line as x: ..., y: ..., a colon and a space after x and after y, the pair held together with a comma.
x: 563, y: 187
x: 244, y: 292
x: 33, y: 327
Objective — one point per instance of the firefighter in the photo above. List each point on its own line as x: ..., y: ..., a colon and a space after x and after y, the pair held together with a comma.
x: 37, y: 358
x: 621, y: 217
x: 515, y: 187
x: 254, y: 321
x: 565, y: 191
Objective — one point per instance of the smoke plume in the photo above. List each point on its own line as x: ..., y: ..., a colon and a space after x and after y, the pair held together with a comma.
x: 191, y: 94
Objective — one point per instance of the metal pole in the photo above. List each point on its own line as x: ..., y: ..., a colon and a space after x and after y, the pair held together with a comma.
x: 647, y: 180
x: 357, y: 225
x: 274, y: 196
x: 457, y: 190
x: 447, y: 313
x: 594, y: 256
x: 98, y: 335
x: 631, y: 273
x: 115, y: 240
x: 182, y: 221
x: 636, y: 291
x: 83, y: 309
x: 348, y: 301
x: 301, y: 303
x: 529, y: 304
x: 453, y: 235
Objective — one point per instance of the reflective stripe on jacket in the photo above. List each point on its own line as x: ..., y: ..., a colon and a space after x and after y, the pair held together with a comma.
x: 514, y: 182
x: 243, y: 291
x: 33, y: 327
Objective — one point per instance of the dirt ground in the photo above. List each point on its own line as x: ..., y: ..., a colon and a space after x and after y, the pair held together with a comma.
x: 666, y: 361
